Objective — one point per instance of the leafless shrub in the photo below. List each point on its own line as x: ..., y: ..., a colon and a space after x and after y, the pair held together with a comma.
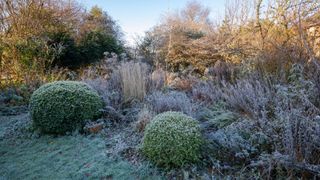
x: 134, y: 77
x: 220, y: 71
x: 250, y: 97
x: 171, y: 101
x: 158, y: 79
x: 171, y: 77
x: 184, y: 83
x: 102, y: 69
x: 206, y: 93
x: 109, y: 90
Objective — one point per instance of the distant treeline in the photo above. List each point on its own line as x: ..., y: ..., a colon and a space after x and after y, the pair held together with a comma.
x: 39, y: 35
x: 269, y: 35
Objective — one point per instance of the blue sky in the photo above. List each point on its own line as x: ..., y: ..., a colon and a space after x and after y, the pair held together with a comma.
x: 137, y: 16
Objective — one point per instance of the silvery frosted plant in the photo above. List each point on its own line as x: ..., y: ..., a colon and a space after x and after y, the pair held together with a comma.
x: 237, y: 143
x: 170, y: 101
x: 109, y: 90
x: 206, y: 93
x: 250, y: 97
x: 295, y: 127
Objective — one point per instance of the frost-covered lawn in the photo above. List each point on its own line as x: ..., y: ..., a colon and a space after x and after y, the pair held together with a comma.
x: 24, y: 155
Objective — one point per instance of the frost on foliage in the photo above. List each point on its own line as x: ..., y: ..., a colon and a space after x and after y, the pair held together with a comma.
x: 285, y: 114
x: 237, y: 143
x: 172, y: 139
x: 110, y: 90
x: 171, y: 101
x: 216, y: 117
x: 63, y: 106
x: 298, y: 129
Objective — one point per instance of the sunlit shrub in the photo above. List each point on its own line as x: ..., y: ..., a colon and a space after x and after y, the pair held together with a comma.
x: 134, y: 77
x: 63, y: 106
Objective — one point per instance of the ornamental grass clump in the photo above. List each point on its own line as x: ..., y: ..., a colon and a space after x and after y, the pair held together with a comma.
x: 63, y: 106
x: 172, y: 139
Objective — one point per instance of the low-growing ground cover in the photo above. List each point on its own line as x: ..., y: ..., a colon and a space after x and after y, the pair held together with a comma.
x: 25, y: 155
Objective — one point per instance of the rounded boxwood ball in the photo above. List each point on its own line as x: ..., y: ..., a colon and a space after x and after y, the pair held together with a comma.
x: 63, y: 106
x: 172, y: 139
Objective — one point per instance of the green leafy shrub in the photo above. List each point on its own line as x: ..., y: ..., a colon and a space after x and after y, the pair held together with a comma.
x: 172, y: 139
x: 69, y: 55
x: 93, y: 45
x: 63, y: 106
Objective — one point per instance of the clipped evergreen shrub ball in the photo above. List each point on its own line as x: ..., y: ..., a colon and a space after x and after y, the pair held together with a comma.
x: 63, y: 106
x: 172, y: 139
